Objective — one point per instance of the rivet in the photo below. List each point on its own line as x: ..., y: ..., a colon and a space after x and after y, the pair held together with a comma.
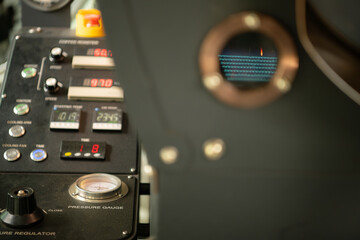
x: 212, y: 82
x: 3, y: 96
x: 17, y: 37
x: 132, y: 169
x: 252, y: 20
x: 125, y: 232
x: 169, y: 154
x: 130, y: 177
x: 214, y: 148
x: 283, y: 85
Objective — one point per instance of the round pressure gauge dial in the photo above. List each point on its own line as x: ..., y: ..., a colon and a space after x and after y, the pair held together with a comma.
x: 47, y: 5
x: 98, y: 187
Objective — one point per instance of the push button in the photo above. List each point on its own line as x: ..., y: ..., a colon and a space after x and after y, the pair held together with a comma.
x: 17, y: 131
x: 21, y: 109
x: 38, y: 155
x: 29, y: 72
x: 12, y: 154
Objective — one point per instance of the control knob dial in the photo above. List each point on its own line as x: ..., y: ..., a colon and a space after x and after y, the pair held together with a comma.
x: 52, y: 85
x: 21, y: 208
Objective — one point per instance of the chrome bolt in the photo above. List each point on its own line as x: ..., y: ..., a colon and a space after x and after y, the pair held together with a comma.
x: 3, y: 96
x: 169, y: 154
x: 214, y: 148
x: 17, y: 37
x: 132, y: 169
x: 125, y: 232
x: 252, y: 20
x: 130, y: 177
x: 212, y: 82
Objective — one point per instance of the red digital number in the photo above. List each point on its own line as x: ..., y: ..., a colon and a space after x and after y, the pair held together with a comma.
x: 95, y: 148
x: 94, y: 82
x: 97, y: 52
x: 108, y: 83
x: 102, y: 82
x: 103, y: 53
x: 81, y: 148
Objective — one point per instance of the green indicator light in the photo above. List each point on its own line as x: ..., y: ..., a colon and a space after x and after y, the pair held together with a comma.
x: 29, y: 72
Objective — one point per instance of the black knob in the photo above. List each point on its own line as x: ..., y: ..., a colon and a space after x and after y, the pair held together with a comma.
x: 56, y: 55
x: 21, y: 209
x: 51, y: 85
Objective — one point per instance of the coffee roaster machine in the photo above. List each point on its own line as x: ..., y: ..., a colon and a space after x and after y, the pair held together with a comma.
x: 248, y: 111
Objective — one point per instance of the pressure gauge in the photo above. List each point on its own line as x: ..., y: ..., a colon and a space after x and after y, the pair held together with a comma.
x: 47, y: 5
x: 97, y: 188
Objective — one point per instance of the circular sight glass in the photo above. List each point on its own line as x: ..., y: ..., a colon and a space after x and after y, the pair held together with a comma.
x: 248, y: 60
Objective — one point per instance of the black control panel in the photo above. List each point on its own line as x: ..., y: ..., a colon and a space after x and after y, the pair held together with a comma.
x: 65, y: 141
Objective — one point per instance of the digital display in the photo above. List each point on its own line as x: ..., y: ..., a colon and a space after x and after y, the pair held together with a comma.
x: 99, y: 52
x: 96, y: 82
x: 65, y: 118
x: 76, y: 150
x: 248, y: 60
x: 107, y: 119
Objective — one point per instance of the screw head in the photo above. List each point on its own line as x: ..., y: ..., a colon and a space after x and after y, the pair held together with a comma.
x: 252, y: 20
x: 283, y: 85
x: 214, y: 148
x: 125, y: 232
x: 17, y: 37
x: 3, y: 96
x: 132, y: 169
x: 35, y: 30
x: 212, y: 82
x: 169, y: 154
x: 148, y: 170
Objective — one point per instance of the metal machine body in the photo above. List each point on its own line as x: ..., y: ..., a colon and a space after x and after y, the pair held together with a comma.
x: 290, y: 168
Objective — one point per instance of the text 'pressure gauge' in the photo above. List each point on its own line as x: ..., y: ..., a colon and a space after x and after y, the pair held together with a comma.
x: 97, y: 188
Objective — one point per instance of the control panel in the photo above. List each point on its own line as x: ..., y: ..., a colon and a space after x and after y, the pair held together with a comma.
x: 68, y: 153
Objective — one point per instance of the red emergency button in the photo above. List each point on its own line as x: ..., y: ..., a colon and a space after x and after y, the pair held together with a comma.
x: 89, y: 23
x: 92, y: 20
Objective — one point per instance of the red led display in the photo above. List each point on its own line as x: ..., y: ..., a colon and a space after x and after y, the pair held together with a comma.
x: 96, y: 82
x: 102, y: 52
x: 95, y: 148
x: 83, y: 150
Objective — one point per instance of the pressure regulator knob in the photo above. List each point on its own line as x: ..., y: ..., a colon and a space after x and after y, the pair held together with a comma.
x: 21, y: 208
